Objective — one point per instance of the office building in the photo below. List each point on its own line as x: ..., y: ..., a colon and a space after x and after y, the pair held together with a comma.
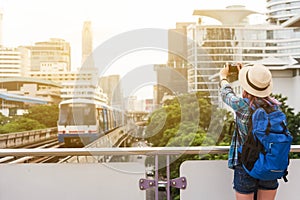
x: 170, y: 82
x: 1, y: 28
x: 53, y: 51
x: 177, y: 45
x: 279, y: 12
x: 82, y: 83
x: 79, y: 84
x: 172, y: 77
x: 14, y: 62
x: 111, y: 86
x: 234, y: 40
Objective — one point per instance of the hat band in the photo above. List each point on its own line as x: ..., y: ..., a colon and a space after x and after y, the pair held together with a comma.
x: 254, y: 86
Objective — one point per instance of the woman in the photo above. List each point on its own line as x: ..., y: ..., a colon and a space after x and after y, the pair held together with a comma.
x: 257, y: 85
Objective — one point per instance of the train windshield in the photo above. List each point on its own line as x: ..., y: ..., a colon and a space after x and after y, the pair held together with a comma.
x: 77, y: 114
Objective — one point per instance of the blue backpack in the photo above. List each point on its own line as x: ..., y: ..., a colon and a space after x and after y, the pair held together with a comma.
x: 265, y: 152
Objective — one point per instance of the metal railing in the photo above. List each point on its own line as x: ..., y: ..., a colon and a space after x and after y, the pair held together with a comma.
x: 179, y: 182
x: 122, y: 151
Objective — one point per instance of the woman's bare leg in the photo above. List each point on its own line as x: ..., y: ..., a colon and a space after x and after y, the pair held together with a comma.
x: 266, y: 194
x: 240, y: 196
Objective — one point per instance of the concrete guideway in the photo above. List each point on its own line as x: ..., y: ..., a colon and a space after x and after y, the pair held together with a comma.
x: 13, y: 140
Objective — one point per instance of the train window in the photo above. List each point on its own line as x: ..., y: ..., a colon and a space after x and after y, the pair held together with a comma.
x: 64, y: 115
x: 109, y: 119
x: 114, y: 118
x: 76, y: 114
x: 89, y: 116
x: 101, y: 120
x: 105, y: 119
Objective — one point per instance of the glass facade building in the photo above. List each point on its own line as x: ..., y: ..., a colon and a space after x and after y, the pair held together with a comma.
x: 210, y: 47
x: 280, y: 11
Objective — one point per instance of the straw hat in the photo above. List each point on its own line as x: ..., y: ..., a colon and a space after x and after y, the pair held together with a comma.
x: 256, y: 80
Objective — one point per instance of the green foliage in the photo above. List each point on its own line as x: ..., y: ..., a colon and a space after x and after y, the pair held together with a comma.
x: 21, y: 124
x: 186, y: 136
x: 180, y: 122
x: 191, y: 120
x: 224, y: 121
x: 38, y: 117
x: 44, y: 114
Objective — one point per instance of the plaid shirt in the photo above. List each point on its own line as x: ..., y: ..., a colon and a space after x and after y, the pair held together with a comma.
x: 242, y: 113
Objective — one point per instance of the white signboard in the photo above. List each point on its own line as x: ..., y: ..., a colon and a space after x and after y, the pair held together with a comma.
x: 71, y: 181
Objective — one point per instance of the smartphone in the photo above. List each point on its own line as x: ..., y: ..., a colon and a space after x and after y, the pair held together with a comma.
x: 233, y: 73
x: 233, y: 68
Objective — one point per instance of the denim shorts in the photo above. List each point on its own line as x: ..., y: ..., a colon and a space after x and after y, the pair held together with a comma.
x: 245, y: 184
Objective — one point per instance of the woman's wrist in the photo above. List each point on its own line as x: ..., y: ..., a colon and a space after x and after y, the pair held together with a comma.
x: 223, y: 81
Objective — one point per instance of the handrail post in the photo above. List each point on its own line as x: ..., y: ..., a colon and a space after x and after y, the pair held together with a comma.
x: 156, y: 177
x: 168, y: 188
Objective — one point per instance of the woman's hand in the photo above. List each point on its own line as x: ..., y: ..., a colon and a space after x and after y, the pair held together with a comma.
x: 239, y: 65
x: 224, y: 72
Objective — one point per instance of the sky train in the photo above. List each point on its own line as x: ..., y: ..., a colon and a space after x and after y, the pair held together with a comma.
x: 82, y: 121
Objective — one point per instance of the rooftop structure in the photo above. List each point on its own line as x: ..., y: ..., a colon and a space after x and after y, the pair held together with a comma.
x: 45, y: 90
x: 232, y: 15
x: 17, y: 93
x: 19, y: 98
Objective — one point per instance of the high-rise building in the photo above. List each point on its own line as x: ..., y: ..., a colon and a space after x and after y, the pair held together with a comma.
x: 236, y: 41
x: 79, y: 84
x: 177, y: 45
x: 172, y: 77
x: 1, y: 29
x: 170, y: 81
x: 53, y: 51
x: 14, y: 62
x: 279, y: 12
x: 51, y: 61
x: 111, y: 85
x: 87, y: 45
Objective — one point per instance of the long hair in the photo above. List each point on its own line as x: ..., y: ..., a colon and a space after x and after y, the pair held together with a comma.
x: 254, y: 99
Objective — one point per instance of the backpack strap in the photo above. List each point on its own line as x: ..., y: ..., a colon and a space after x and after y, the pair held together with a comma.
x: 233, y: 123
x: 283, y: 124
x: 268, y: 109
x: 285, y: 176
x: 268, y: 128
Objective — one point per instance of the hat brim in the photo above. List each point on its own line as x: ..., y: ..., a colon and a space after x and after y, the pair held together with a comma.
x: 249, y: 89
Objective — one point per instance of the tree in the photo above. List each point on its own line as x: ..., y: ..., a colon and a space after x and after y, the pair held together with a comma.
x: 44, y: 114
x: 178, y: 118
x: 21, y: 124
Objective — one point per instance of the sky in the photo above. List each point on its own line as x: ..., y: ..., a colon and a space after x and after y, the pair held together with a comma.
x: 28, y: 21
